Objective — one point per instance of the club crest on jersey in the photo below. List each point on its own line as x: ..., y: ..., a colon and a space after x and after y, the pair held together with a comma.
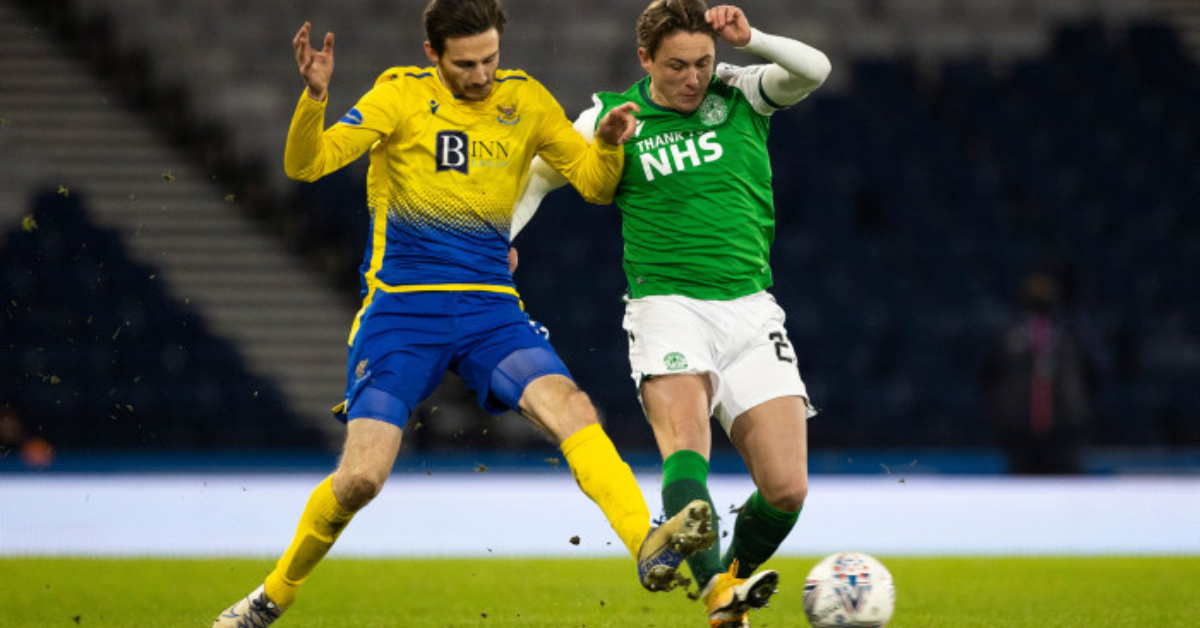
x: 508, y: 115
x: 713, y: 110
x: 353, y: 117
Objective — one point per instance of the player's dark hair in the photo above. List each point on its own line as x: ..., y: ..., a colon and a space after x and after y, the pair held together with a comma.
x: 664, y: 17
x: 446, y: 19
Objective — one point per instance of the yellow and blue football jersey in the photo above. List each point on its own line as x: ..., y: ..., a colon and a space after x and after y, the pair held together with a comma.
x: 445, y: 173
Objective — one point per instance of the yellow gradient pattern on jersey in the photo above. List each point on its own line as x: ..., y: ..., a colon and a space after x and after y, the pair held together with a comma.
x: 445, y: 173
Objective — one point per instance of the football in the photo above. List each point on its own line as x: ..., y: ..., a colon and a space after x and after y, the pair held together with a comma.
x: 849, y: 589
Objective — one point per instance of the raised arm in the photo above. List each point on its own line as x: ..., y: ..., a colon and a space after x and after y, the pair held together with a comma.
x: 316, y: 66
x: 796, y: 69
x: 311, y: 151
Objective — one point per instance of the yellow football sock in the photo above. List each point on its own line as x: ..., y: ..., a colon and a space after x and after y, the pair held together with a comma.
x: 320, y: 524
x: 609, y: 482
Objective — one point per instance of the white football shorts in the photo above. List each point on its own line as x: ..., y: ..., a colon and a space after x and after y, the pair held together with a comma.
x: 741, y: 345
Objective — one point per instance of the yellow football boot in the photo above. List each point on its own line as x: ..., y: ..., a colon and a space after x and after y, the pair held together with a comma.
x: 728, y: 598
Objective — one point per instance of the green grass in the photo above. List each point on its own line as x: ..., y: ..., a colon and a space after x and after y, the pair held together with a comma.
x: 596, y: 593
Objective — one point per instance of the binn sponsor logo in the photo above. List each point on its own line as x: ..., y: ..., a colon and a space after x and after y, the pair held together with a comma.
x: 452, y: 151
x: 457, y: 152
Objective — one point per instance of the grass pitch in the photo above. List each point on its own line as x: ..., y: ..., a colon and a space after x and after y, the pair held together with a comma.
x: 592, y: 593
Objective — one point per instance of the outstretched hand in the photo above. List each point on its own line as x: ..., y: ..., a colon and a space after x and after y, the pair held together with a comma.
x: 730, y: 24
x: 618, y: 125
x: 316, y: 66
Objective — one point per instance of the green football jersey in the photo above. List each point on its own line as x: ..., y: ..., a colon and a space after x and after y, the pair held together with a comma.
x: 697, y: 209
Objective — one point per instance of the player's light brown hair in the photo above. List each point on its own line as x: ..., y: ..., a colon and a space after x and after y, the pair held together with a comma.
x: 664, y: 17
x: 446, y: 19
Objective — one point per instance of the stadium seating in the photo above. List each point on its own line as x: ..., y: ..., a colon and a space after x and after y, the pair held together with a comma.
x: 99, y: 358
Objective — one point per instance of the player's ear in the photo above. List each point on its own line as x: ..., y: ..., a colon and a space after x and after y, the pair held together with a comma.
x: 645, y: 58
x: 431, y: 53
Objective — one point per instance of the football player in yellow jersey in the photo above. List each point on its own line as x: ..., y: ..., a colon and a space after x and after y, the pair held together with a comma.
x: 450, y: 146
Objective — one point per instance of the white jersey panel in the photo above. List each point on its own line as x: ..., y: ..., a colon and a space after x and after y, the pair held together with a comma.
x: 748, y: 79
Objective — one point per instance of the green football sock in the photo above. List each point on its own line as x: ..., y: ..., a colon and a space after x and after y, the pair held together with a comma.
x: 759, y: 530
x: 685, y: 478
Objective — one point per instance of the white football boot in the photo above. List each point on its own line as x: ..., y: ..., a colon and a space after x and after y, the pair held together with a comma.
x: 253, y: 611
x: 666, y: 547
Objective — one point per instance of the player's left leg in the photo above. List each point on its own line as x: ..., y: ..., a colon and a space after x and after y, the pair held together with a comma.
x: 510, y: 365
x: 772, y: 438
x: 557, y: 406
x: 764, y: 410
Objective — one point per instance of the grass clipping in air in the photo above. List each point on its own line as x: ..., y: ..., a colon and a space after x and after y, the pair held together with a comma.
x: 597, y: 593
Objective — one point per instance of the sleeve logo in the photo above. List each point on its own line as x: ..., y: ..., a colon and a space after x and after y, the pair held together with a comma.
x: 353, y: 117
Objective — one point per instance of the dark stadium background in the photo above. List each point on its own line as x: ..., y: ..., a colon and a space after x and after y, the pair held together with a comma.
x: 958, y: 144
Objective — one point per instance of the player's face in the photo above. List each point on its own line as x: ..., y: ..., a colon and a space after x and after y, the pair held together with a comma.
x: 467, y: 66
x: 680, y: 70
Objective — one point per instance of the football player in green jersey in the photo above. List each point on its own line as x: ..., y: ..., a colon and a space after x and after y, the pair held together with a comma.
x: 698, y: 219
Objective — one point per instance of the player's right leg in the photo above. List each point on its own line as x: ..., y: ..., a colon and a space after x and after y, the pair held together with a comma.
x: 370, y: 451
x: 672, y: 363
x: 397, y: 334
x: 677, y: 408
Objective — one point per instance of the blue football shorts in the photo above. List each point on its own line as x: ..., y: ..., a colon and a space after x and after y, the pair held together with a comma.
x: 406, y: 342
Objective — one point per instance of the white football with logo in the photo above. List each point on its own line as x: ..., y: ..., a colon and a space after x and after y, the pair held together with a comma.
x: 849, y: 589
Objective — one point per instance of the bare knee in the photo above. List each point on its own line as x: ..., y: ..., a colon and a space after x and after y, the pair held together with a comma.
x: 580, y: 409
x: 355, y: 488
x: 574, y: 413
x: 558, y: 407
x: 787, y: 496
